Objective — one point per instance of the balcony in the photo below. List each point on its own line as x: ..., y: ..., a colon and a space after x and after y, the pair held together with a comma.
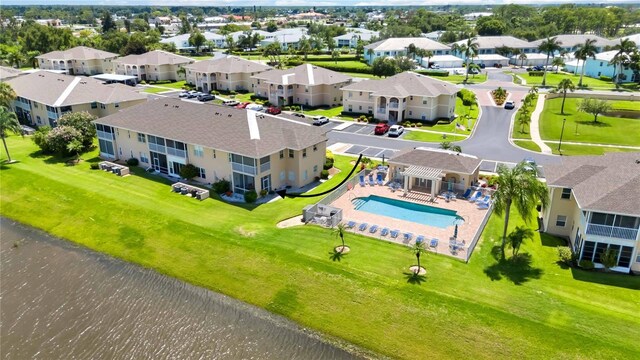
x: 393, y: 105
x: 247, y: 169
x: 612, y: 231
x: 105, y: 135
x: 265, y: 167
x: 157, y: 148
x: 177, y: 152
x: 381, y: 110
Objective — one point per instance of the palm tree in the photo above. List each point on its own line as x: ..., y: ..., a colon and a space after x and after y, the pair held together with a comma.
x: 75, y: 147
x: 370, y: 53
x: 522, y: 57
x: 418, y: 248
x: 524, y: 119
x: 520, y: 187
x: 533, y: 90
x: 428, y: 54
x: 181, y: 71
x: 447, y: 145
x: 340, y: 230
x: 470, y: 50
x: 230, y: 44
x: 31, y: 58
x: 304, y: 46
x: 564, y: 86
x: 335, y: 54
x: 411, y: 51
x: 557, y: 62
x: 517, y: 237
x: 621, y: 58
x: 585, y: 51
x: 7, y: 95
x: 8, y: 123
x: 549, y: 46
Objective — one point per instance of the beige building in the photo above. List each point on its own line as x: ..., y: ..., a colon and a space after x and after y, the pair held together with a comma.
x: 306, y: 84
x: 434, y: 170
x: 401, y: 97
x: 7, y: 73
x: 230, y: 74
x: 595, y: 203
x: 254, y: 151
x: 80, y: 60
x: 154, y: 65
x: 44, y: 96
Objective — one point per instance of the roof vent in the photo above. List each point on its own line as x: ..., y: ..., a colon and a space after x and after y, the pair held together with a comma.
x: 229, y: 115
x: 637, y: 161
x: 166, y: 104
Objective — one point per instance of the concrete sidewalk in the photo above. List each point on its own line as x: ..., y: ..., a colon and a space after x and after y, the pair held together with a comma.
x: 534, y: 126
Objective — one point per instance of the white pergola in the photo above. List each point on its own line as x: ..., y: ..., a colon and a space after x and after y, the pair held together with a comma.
x: 422, y: 172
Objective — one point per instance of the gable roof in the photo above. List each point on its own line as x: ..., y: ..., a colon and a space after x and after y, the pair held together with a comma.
x: 405, y: 84
x: 492, y: 42
x: 394, y: 44
x: 607, y: 183
x: 62, y: 90
x: 238, y: 131
x: 9, y: 72
x: 305, y: 74
x: 228, y: 65
x: 155, y: 57
x: 78, y: 53
x: 438, y: 159
x: 572, y: 40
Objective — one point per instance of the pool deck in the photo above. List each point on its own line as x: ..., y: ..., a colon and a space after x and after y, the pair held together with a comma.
x: 469, y: 211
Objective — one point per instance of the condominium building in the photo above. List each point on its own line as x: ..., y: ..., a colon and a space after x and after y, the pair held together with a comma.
x: 254, y: 151
x: 569, y: 43
x: 80, y: 60
x: 353, y: 35
x: 490, y: 45
x: 306, y: 84
x: 44, y: 96
x: 594, y: 202
x: 394, y: 47
x: 154, y: 65
x: 229, y: 73
x: 400, y: 97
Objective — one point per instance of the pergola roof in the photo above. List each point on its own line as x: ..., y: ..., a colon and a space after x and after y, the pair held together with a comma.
x: 423, y: 172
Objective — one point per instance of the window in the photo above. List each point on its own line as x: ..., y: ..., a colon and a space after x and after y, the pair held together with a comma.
x: 282, y: 176
x: 144, y: 158
x: 291, y: 154
x: 350, y: 94
x: 561, y: 221
x: 315, y: 147
x: 281, y: 154
x: 201, y: 173
x: 142, y: 138
x: 360, y: 93
x: 102, y: 106
x: 214, y: 153
x: 305, y: 175
x: 315, y: 169
x: 117, y: 104
x: 424, y: 101
x: 566, y: 193
x: 292, y: 176
x: 304, y: 153
x: 94, y: 105
x: 411, y: 98
x: 410, y: 112
x: 360, y: 107
x: 198, y: 151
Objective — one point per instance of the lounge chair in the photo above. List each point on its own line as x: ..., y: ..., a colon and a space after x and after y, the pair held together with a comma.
x: 371, y: 181
x: 408, y: 236
x: 362, y: 180
x: 484, y: 205
x: 433, y: 243
x: 384, y: 232
x: 373, y: 229
x: 466, y: 194
x: 485, y: 199
x: 351, y: 224
x: 475, y: 196
x: 419, y: 239
x: 379, y: 179
x: 395, y: 233
x: 363, y: 226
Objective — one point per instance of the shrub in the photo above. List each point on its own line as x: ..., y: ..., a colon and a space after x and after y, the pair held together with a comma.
x: 586, y: 264
x: 353, y: 67
x: 324, y: 174
x: 365, y: 160
x: 142, y: 82
x: 132, y: 162
x: 329, y: 155
x: 536, y: 73
x: 263, y: 192
x: 418, y: 124
x: 189, y: 171
x: 328, y: 165
x: 40, y: 139
x: 221, y: 186
x: 250, y: 196
x: 565, y: 255
x: 83, y: 123
x: 606, y: 78
x: 95, y: 166
x: 609, y: 258
x: 58, y: 138
x: 436, y: 73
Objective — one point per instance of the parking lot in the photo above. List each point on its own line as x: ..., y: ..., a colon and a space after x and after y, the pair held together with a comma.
x: 363, y: 129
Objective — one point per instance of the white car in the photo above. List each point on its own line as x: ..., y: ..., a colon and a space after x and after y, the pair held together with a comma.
x: 458, y: 72
x: 255, y: 107
x: 509, y: 105
x: 185, y: 94
x: 230, y: 102
x: 435, y: 66
x: 320, y: 120
x: 396, y: 130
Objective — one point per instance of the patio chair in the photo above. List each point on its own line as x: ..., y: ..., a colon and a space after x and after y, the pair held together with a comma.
x: 371, y: 181
x: 420, y: 239
x: 395, y: 233
x: 433, y: 243
x: 373, y: 229
x: 475, y: 196
x: 362, y: 180
x: 485, y: 199
x: 466, y: 194
x: 363, y: 226
x: 379, y: 179
x: 484, y: 205
x: 351, y: 224
x: 384, y: 232
x: 408, y: 237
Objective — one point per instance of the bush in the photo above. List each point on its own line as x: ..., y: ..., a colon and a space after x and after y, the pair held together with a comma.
x: 536, y: 73
x: 95, y: 166
x: 250, y: 197
x: 142, y: 82
x: 329, y: 155
x: 328, y: 165
x: 565, y: 255
x: 58, y: 138
x: 418, y: 124
x: 586, y: 264
x: 83, y: 123
x: 263, y: 192
x: 132, y: 162
x: 189, y: 171
x: 40, y: 139
x: 606, y: 78
x: 435, y: 73
x: 221, y: 186
x: 353, y: 67
x: 324, y: 174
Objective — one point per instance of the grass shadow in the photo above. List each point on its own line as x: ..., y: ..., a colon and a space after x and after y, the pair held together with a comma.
x: 336, y: 255
x: 607, y: 278
x: 551, y: 241
x: 516, y: 269
x: 415, y: 279
x: 592, y: 123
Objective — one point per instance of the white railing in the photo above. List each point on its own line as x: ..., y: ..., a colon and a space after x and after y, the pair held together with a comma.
x: 265, y: 167
x: 478, y: 233
x: 157, y: 148
x: 105, y: 135
x: 612, y: 231
x: 393, y: 105
x: 247, y: 169
x: 176, y: 152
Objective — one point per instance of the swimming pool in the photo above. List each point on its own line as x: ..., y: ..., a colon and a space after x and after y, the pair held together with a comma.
x: 404, y: 210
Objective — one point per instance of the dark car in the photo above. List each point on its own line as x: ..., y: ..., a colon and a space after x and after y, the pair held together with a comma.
x: 509, y: 105
x: 482, y: 66
x: 538, y: 68
x: 273, y: 110
x: 381, y: 129
x: 206, y: 97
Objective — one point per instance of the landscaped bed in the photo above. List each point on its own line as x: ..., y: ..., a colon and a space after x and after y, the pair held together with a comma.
x: 532, y: 307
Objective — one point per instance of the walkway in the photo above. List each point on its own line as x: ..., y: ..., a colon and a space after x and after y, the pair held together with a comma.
x: 534, y: 126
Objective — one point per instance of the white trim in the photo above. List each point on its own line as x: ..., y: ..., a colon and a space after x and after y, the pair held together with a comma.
x: 65, y: 94
x: 310, y: 74
x: 254, y: 131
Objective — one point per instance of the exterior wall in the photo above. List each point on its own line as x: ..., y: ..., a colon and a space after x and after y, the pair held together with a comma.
x: 595, y: 68
x: 397, y: 52
x: 558, y: 206
x: 220, y: 81
x: 80, y: 67
x: 411, y: 107
x: 314, y: 95
x: 151, y: 72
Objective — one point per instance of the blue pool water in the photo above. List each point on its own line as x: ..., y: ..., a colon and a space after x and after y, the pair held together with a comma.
x: 408, y: 211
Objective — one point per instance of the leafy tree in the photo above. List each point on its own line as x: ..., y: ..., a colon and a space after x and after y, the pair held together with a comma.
x: 271, y: 26
x: 564, y: 86
x: 185, y: 27
x: 114, y: 42
x: 181, y: 71
x: 230, y: 44
x: 549, y: 46
x: 75, y: 147
x: 197, y: 39
x: 524, y: 119
x: 40, y: 139
x: 140, y: 25
x: 518, y: 186
x: 384, y: 67
x: 304, y: 46
x: 189, y: 171
x: 107, y: 22
x: 31, y: 58
x: 517, y: 237
x: 411, y: 51
x: 339, y: 231
x: 447, y: 145
x: 359, y: 49
x: 135, y: 45
x: 594, y: 107
x: 585, y: 51
x: 83, y: 122
x: 609, y: 258
x: 59, y: 137
x: 335, y: 54
x: 8, y: 124
x: 403, y: 63
x: 272, y: 51
x: 127, y: 25
x: 490, y: 26
x: 7, y: 94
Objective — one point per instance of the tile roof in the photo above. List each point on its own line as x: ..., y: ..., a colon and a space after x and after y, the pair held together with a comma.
x: 78, y: 53
x: 607, y: 183
x: 492, y: 42
x: 155, y: 57
x: 437, y: 159
x: 228, y: 65
x: 62, y: 90
x: 9, y: 72
x: 395, y: 44
x: 574, y: 40
x: 218, y: 127
x: 405, y: 84
x: 305, y: 74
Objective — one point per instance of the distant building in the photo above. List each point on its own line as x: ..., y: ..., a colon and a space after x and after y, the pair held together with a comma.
x: 287, y: 38
x: 7, y: 73
x: 570, y: 43
x: 394, y: 47
x: 230, y: 73
x: 434, y: 35
x: 601, y: 66
x: 153, y: 66
x: 351, y: 38
x: 635, y: 38
x: 80, y: 60
x: 488, y: 45
x: 311, y: 15
x: 475, y: 16
x: 182, y: 41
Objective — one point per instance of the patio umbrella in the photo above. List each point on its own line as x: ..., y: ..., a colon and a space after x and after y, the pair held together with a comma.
x: 455, y: 232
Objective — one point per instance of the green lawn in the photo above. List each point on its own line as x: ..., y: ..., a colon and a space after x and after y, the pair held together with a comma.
x: 571, y: 149
x: 482, y: 310
x: 200, y: 57
x: 516, y: 131
x: 580, y: 127
x: 361, y: 75
x: 527, y: 144
x: 459, y: 79
x: 554, y: 79
x: 334, y: 112
x: 155, y: 90
x: 431, y: 137
x: 345, y: 66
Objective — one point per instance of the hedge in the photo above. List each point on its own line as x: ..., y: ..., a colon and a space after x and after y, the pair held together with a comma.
x: 437, y: 73
x: 536, y: 73
x: 606, y: 78
x: 361, y: 68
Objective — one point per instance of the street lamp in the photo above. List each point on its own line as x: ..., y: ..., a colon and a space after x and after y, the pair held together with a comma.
x: 561, y: 133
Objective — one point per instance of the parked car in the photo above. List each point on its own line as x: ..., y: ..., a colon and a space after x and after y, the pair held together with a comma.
x: 206, y: 97
x: 194, y: 94
x: 458, y: 72
x: 254, y: 107
x: 396, y: 130
x: 538, y: 68
x: 273, y: 110
x: 320, y: 120
x: 242, y: 105
x: 27, y: 130
x: 530, y: 164
x: 482, y: 66
x: 474, y: 71
x: 434, y: 66
x: 184, y: 94
x: 381, y: 129
x: 509, y: 105
x: 497, y: 65
x: 231, y: 102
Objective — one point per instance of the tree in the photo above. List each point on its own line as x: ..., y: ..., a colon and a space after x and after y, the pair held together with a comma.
x: 75, y: 147
x: 135, y: 45
x: 107, y: 22
x: 272, y: 51
x: 31, y: 58
x: 411, y: 51
x: 83, y: 122
x: 370, y: 53
x: 304, y: 46
x: 185, y: 27
x: 384, y: 67
x: 622, y: 57
x: 339, y: 231
x: 609, y: 258
x: 8, y: 124
x: 230, y: 44
x: 428, y: 54
x: 197, y: 39
x: 490, y: 26
x: 557, y: 62
x: 469, y: 49
x: 335, y: 54
x: 418, y: 249
x: 594, y: 107
x: 524, y: 119
x: 522, y: 57
x: 403, y: 63
x: 189, y: 171
x: 59, y: 137
x: 181, y: 71
x: 272, y: 26
x: 7, y: 94
x: 585, y: 51
x: 359, y: 49
x: 517, y: 237
x: 447, y: 145
x: 564, y: 86
x: 520, y: 187
x: 549, y: 46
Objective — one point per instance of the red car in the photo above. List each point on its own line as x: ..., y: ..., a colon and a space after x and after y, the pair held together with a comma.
x: 273, y: 110
x: 242, y: 105
x: 381, y: 129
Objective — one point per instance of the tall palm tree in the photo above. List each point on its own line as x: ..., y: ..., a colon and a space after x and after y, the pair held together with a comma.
x: 557, y: 62
x: 622, y: 56
x: 522, y: 57
x: 418, y: 249
x: 524, y: 119
x: 340, y: 230
x: 564, y: 86
x: 520, y: 187
x: 470, y: 50
x: 7, y: 95
x: 585, y: 51
x: 411, y: 51
x: 549, y: 46
x: 8, y: 124
x: 428, y: 54
x: 370, y: 53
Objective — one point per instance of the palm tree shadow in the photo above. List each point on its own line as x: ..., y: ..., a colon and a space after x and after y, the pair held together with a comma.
x: 516, y: 269
x: 415, y: 279
x: 336, y: 255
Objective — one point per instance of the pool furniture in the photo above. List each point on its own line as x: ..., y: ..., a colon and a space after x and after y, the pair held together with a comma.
x: 475, y: 196
x: 379, y: 179
x: 395, y: 233
x: 455, y: 246
x: 363, y: 226
x: 362, y: 180
x: 466, y: 194
x: 420, y: 239
x: 384, y: 232
x: 371, y: 181
x: 484, y: 205
x: 351, y: 224
x: 433, y: 243
x: 373, y: 229
x: 408, y: 236
x: 485, y: 199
